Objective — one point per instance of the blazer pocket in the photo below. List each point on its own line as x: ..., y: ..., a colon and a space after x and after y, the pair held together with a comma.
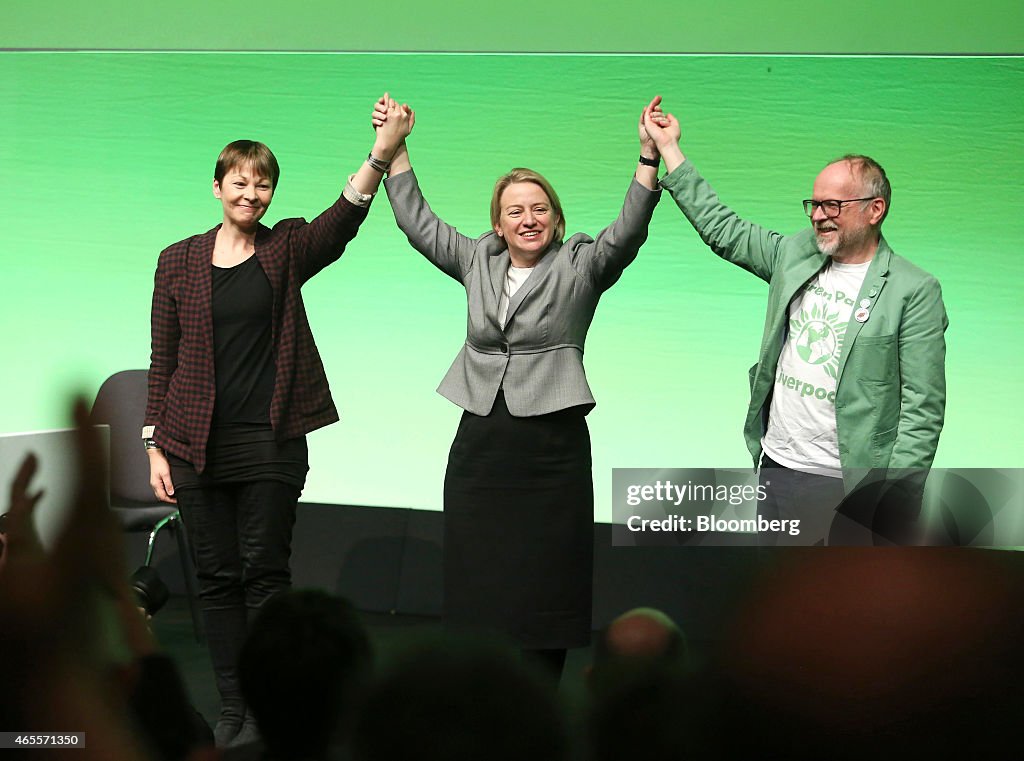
x: 874, y: 359
x: 881, y: 446
x: 881, y: 438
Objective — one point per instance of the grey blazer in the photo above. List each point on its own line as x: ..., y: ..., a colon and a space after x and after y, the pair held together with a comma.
x: 538, y: 357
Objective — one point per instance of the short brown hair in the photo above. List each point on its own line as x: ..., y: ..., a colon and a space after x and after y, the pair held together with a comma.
x: 521, y: 174
x: 247, y: 153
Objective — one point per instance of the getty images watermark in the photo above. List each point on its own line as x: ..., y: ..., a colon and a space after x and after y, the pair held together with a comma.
x: 723, y: 497
x: 687, y: 506
x: 979, y: 507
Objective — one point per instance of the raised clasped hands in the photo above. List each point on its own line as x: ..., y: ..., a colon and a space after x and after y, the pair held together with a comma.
x: 648, y: 147
x: 660, y: 128
x: 393, y: 123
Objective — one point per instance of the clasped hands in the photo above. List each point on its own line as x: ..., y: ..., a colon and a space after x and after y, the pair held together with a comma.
x: 393, y: 123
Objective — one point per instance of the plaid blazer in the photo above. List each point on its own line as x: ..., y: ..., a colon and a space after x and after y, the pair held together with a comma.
x: 181, y: 373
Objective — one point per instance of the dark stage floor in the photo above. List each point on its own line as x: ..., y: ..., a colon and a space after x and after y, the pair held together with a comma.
x: 389, y: 633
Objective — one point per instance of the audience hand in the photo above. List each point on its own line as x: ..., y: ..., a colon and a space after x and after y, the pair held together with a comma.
x: 53, y: 607
x: 21, y: 542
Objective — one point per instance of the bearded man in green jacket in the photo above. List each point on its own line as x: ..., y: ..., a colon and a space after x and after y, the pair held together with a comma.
x: 850, y: 380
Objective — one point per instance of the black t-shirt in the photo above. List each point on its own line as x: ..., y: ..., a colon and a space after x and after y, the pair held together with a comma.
x: 242, y: 447
x: 243, y: 312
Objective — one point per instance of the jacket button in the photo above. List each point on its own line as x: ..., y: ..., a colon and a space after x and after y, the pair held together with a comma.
x: 504, y: 348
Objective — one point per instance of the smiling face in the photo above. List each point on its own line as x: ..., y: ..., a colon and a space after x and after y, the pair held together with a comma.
x: 853, y: 235
x: 245, y: 195
x: 527, y: 222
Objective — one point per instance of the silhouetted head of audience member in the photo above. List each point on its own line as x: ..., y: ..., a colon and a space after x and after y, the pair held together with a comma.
x: 662, y: 715
x: 461, y: 701
x: 638, y: 640
x: 642, y: 694
x: 305, y: 663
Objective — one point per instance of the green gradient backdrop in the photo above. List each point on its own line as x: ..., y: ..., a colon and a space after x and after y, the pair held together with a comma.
x: 655, y: 26
x: 107, y: 158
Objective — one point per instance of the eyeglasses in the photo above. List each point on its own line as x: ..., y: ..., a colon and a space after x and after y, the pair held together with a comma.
x: 831, y: 207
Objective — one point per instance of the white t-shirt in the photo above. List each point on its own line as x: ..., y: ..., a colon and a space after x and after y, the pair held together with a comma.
x: 514, y: 279
x: 802, y: 420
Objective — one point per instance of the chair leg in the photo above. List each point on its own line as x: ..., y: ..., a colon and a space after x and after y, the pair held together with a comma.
x: 188, y: 573
x: 169, y: 520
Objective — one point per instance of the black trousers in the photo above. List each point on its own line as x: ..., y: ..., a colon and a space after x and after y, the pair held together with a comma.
x: 794, y: 495
x: 241, y: 537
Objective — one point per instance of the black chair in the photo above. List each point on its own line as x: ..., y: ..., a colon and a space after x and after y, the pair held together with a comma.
x: 121, y: 404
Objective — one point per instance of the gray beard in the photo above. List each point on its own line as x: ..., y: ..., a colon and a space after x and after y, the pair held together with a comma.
x: 829, y: 249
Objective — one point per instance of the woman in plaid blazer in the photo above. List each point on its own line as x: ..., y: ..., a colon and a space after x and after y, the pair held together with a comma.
x: 236, y: 382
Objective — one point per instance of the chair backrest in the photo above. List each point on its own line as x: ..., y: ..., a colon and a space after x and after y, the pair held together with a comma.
x: 121, y: 404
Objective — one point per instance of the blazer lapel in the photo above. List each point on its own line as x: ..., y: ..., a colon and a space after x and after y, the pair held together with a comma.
x: 200, y: 262
x: 497, y: 264
x: 870, y: 291
x: 531, y: 282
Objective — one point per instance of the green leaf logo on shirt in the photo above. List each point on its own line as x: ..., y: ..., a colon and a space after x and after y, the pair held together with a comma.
x: 819, y: 338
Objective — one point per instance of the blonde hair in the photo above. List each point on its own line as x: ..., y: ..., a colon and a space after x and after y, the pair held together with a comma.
x: 522, y: 174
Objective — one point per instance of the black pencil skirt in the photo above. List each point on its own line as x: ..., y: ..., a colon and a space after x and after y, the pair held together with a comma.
x: 518, y: 527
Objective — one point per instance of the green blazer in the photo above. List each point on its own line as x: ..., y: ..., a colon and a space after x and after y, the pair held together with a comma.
x: 891, y: 388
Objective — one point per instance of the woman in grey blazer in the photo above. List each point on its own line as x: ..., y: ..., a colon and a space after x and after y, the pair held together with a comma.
x: 518, y: 493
